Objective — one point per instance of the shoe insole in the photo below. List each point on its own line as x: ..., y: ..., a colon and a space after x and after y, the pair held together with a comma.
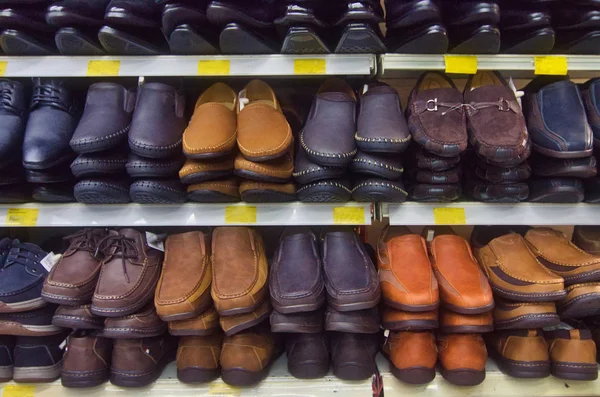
x: 485, y: 79
x: 218, y: 93
x: 432, y: 81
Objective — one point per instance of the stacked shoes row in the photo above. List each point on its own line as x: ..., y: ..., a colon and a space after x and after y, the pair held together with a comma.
x: 414, y: 286
x: 307, y: 274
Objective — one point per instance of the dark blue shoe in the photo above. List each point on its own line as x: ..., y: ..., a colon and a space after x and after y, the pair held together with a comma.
x: 36, y: 322
x: 7, y: 345
x: 5, y: 244
x: 13, y: 113
x: 21, y: 278
x: 39, y: 359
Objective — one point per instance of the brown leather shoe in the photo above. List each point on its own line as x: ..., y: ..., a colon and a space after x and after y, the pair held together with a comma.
x: 582, y: 300
x: 217, y: 191
x: 240, y: 322
x: 463, y: 286
x: 267, y: 192
x: 524, y: 315
x: 572, y: 354
x: 399, y: 320
x: 198, y: 358
x: 130, y: 271
x: 240, y: 270
x: 520, y: 353
x: 457, y: 323
x: 247, y: 356
x: 308, y: 322
x: 143, y: 324
x: 206, y: 323
x: 462, y: 358
x: 212, y: 129
x: 358, y: 321
x: 86, y: 360
x: 139, y: 362
x: 587, y: 238
x: 263, y: 132
x: 405, y: 273
x: 72, y: 280
x: 183, y: 290
x: 412, y: 356
x: 198, y: 171
x: 77, y: 317
x: 554, y: 250
x: 512, y: 269
x: 277, y: 171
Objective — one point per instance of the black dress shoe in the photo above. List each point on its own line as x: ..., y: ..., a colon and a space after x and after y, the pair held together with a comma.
x: 66, y: 13
x: 142, y: 167
x: 78, y: 41
x: 359, y: 38
x: 480, y: 190
x: 433, y: 193
x: 30, y: 19
x: 238, y: 39
x: 526, y: 31
x: 99, y: 164
x: 186, y: 28
x: 54, y: 193
x: 343, y: 13
x: 431, y: 38
x: 21, y: 42
x: 54, y: 114
x: 158, y: 191
x: 108, y: 190
x: 134, y: 13
x: 471, y: 12
x: 58, y: 174
x: 253, y: 13
x: 178, y: 13
x: 13, y: 113
x: 571, y: 168
x: 133, y: 41
x: 556, y: 190
x: 412, y: 13
x: 481, y: 39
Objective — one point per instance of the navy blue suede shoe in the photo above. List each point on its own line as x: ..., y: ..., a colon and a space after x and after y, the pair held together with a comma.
x: 39, y: 359
x: 36, y: 322
x: 7, y: 345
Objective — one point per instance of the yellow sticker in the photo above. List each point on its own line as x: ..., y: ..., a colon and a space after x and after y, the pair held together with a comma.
x: 348, y: 215
x: 310, y: 66
x: 22, y: 216
x: 212, y: 68
x: 18, y: 391
x: 554, y: 65
x: 103, y: 68
x: 461, y: 64
x: 449, y: 216
x: 3, y: 66
x: 221, y: 389
x: 240, y: 214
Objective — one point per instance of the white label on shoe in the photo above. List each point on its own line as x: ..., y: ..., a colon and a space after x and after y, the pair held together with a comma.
x: 430, y: 234
x: 63, y: 345
x: 518, y: 94
x: 242, y: 100
x: 365, y: 88
x: 50, y: 260
x: 386, y: 333
x: 155, y: 241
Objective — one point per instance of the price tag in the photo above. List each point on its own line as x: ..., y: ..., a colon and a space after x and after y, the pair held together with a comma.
x: 18, y: 391
x: 3, y: 66
x: 348, y: 215
x: 21, y: 216
x: 551, y: 65
x: 219, y: 389
x: 220, y: 67
x: 310, y: 66
x: 103, y: 68
x: 449, y: 216
x: 240, y: 214
x: 461, y: 64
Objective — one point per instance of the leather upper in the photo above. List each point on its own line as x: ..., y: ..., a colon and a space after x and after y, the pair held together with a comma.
x: 521, y: 345
x: 279, y: 169
x: 240, y: 322
x: 205, y: 323
x: 412, y: 349
x: 87, y: 353
x: 449, y: 319
x: 145, y: 321
x: 307, y: 171
x: 142, y: 355
x: 13, y: 109
x: 461, y: 351
x: 99, y: 164
x: 587, y: 238
x: 252, y: 351
x: 199, y: 352
x: 573, y: 346
x: 507, y: 314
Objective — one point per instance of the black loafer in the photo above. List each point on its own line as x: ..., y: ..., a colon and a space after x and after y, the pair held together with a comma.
x: 425, y: 160
x: 19, y: 42
x: 325, y: 191
x: 450, y: 176
x: 159, y: 191
x: 556, y: 190
x: 434, y: 193
x: 61, y: 173
x: 571, y: 168
x: 76, y: 13
x: 379, y: 190
x: 112, y: 190
x: 379, y: 165
x: 496, y: 193
x: 254, y: 42
x: 54, y: 193
x: 431, y: 38
x: 98, y: 164
x: 307, y: 171
x: 123, y: 42
x: 142, y: 167
x: 189, y: 40
x: 494, y: 174
x: 484, y: 39
x: 135, y: 13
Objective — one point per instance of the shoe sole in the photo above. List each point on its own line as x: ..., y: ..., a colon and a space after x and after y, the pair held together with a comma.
x: 437, y: 194
x: 434, y: 41
x: 378, y: 170
x: 206, y: 303
x: 308, y: 369
x: 410, y: 308
x: 257, y: 176
x: 379, y: 192
x: 529, y: 297
x: 354, y: 370
x: 197, y: 375
x: 581, y: 306
x: 410, y: 325
x: 359, y: 38
x: 38, y: 374
x: 562, y: 155
x: 574, y: 371
x: 382, y: 147
x: 324, y: 192
x: 484, y: 41
x: 517, y: 369
x: 71, y: 42
x: 463, y: 376
x: 133, y: 333
x: 467, y: 329
x: 307, y: 307
x: 150, y: 192
x: 348, y: 307
x: 529, y: 321
x: 119, y: 43
x: 67, y: 18
x: 220, y: 14
x: 125, y: 311
x: 132, y: 379
x: 18, y: 329
x: 193, y: 331
x: 210, y: 196
x: 266, y: 196
x: 413, y: 375
x: 562, y: 194
x: 301, y: 40
x: 295, y: 327
x: 144, y: 150
x: 234, y: 39
x: 186, y: 41
x: 589, y: 44
x: 541, y: 42
x: 24, y: 306
x: 243, y: 377
x: 67, y: 300
x: 313, y: 175
x: 78, y: 379
x: 92, y: 192
x: 6, y: 373
x: 248, y: 324
x: 77, y: 322
x: 14, y: 42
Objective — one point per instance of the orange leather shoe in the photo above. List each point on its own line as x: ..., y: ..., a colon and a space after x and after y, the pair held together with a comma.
x: 572, y: 354
x: 582, y: 300
x: 462, y: 357
x: 217, y: 191
x: 457, y: 323
x: 412, y: 355
x: 400, y: 320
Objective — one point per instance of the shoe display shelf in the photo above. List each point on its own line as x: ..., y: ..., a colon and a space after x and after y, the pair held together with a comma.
x: 168, y: 65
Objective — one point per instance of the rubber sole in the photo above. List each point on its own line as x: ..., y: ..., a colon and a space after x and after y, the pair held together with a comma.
x: 581, y: 306
x: 539, y: 42
x: 520, y: 369
x: 14, y: 42
x: 67, y: 18
x: 562, y: 155
x: 197, y: 375
x: 185, y: 40
x: 434, y: 193
x: 77, y: 322
x: 562, y: 194
x: 432, y: 40
x: 529, y: 297
x: 125, y: 311
x: 485, y: 40
x: 257, y: 176
x: 121, y: 16
x: 133, y: 333
x: 324, y: 192
x: 50, y: 194
x: 379, y: 191
x: 380, y: 146
x: 574, y: 371
x: 131, y: 379
x: 6, y: 373
x: 234, y: 39
x: 70, y: 41
x: 367, y: 303
x: 210, y: 196
x: 219, y: 13
x: 80, y: 379
x: 266, y: 196
x: 37, y: 374
x: 303, y: 40
x: 464, y: 376
x: 96, y: 192
x: 18, y: 329
x: 24, y: 306
x: 351, y: 327
x: 467, y: 329
x: 378, y: 170
x: 308, y: 369
x: 360, y: 38
x: 354, y: 371
x: 67, y: 300
x: 153, y: 192
x: 248, y: 324
x: 529, y: 321
x: 157, y: 153
x: 413, y: 375
x: 120, y: 43
x: 283, y: 308
x: 410, y: 325
x: 410, y: 308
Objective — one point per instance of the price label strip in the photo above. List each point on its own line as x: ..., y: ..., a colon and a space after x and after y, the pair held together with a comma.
x: 240, y: 214
x: 18, y: 391
x: 221, y: 67
x: 21, y: 216
x: 461, y: 64
x: 3, y: 66
x: 103, y: 68
x: 551, y: 65
x: 310, y: 66
x: 348, y: 215
x: 449, y: 216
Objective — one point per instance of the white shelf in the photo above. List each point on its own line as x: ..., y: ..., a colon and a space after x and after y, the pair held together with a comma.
x: 171, y: 65
x: 495, y: 214
x: 281, y: 384
x: 189, y: 214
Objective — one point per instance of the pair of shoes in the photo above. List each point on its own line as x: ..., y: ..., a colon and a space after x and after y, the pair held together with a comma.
x: 429, y: 175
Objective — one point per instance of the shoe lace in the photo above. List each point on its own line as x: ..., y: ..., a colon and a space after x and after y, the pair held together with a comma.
x: 119, y: 247
x: 49, y: 95
x: 6, y: 97
x: 84, y: 240
x: 19, y: 254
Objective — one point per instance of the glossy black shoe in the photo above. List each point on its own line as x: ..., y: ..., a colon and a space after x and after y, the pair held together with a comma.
x: 430, y: 38
x: 412, y: 13
x: 13, y: 113
x: 133, y: 13
x: 66, y: 13
x: 303, y: 40
x: 179, y: 13
x: 189, y: 40
x: 77, y: 41
x: 360, y: 38
x: 21, y: 42
x: 237, y: 39
x: 470, y: 12
x: 362, y: 11
x: 31, y: 19
x: 480, y: 39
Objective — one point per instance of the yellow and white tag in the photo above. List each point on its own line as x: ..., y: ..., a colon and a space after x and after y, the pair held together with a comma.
x: 461, y: 64
x: 449, y: 216
x: 310, y: 66
x: 21, y: 216
x: 348, y: 215
x: 556, y: 65
x: 103, y: 67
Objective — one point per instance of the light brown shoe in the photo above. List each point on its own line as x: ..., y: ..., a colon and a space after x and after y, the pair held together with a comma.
x: 207, y: 323
x: 457, y: 323
x: 183, y: 290
x: 240, y: 270
x: 462, y: 358
x: 524, y: 315
x: 263, y: 132
x: 217, y: 191
x: 238, y: 323
x: 413, y: 356
x: 520, y: 353
x: 277, y: 171
x: 198, y: 171
x: 400, y: 320
x: 405, y: 273
x: 513, y: 271
x: 572, y: 354
x: 582, y: 300
x: 463, y: 286
x: 198, y: 358
x: 559, y: 255
x: 266, y: 192
x: 212, y: 129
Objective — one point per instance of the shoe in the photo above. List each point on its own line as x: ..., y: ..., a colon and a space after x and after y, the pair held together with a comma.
x: 53, y: 102
x: 143, y: 167
x: 307, y: 355
x: 513, y: 271
x: 411, y: 13
x: 353, y: 355
x: 72, y: 280
x: 530, y: 315
x: 7, y: 345
x: 254, y: 41
x: 37, y: 322
x: 359, y: 321
x: 480, y: 39
x: 543, y: 166
x: 257, y: 101
x: 138, y: 13
x: 592, y: 190
x: 267, y: 192
x: 56, y: 174
x: 429, y: 38
x: 13, y: 109
x: 379, y: 132
x: 457, y: 323
x: 21, y: 42
x: 198, y: 171
x: 303, y: 40
x: 498, y: 175
x: 414, y: 290
x: 189, y: 40
x: 145, y: 323
x: 25, y: 18
x: 400, y: 320
x: 572, y: 354
x: 590, y: 91
x: 77, y: 317
x: 350, y: 276
x: 273, y: 171
x: 207, y: 323
x: 130, y: 271
x: 198, y: 358
x: 433, y: 193
x: 38, y: 359
x: 361, y: 38
x: 379, y: 190
x: 424, y: 160
x: 587, y: 238
x: 238, y: 251
x: 304, y: 322
x: 380, y: 166
x: 556, y: 190
x: 412, y: 356
x: 76, y: 12
x: 557, y: 131
x: 496, y: 193
x: 78, y: 42
x: 232, y: 325
x: 471, y: 12
x: 54, y: 193
x: 447, y: 177
x: 216, y: 191
x: 325, y: 191
x: 126, y: 40
x: 582, y: 300
x: 520, y: 353
x: 177, y: 14
x: 436, y: 101
x: 106, y: 118
x: 328, y: 134
x: 212, y: 130
x: 158, y: 121
x: 86, y: 360
x: 255, y: 13
x: 158, y: 191
x: 563, y: 258
x: 462, y: 358
x: 139, y: 362
x: 107, y: 190
x: 296, y: 274
x: 306, y: 171
x: 99, y: 164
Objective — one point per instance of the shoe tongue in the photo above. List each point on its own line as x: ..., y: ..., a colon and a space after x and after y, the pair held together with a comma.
x: 336, y: 96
